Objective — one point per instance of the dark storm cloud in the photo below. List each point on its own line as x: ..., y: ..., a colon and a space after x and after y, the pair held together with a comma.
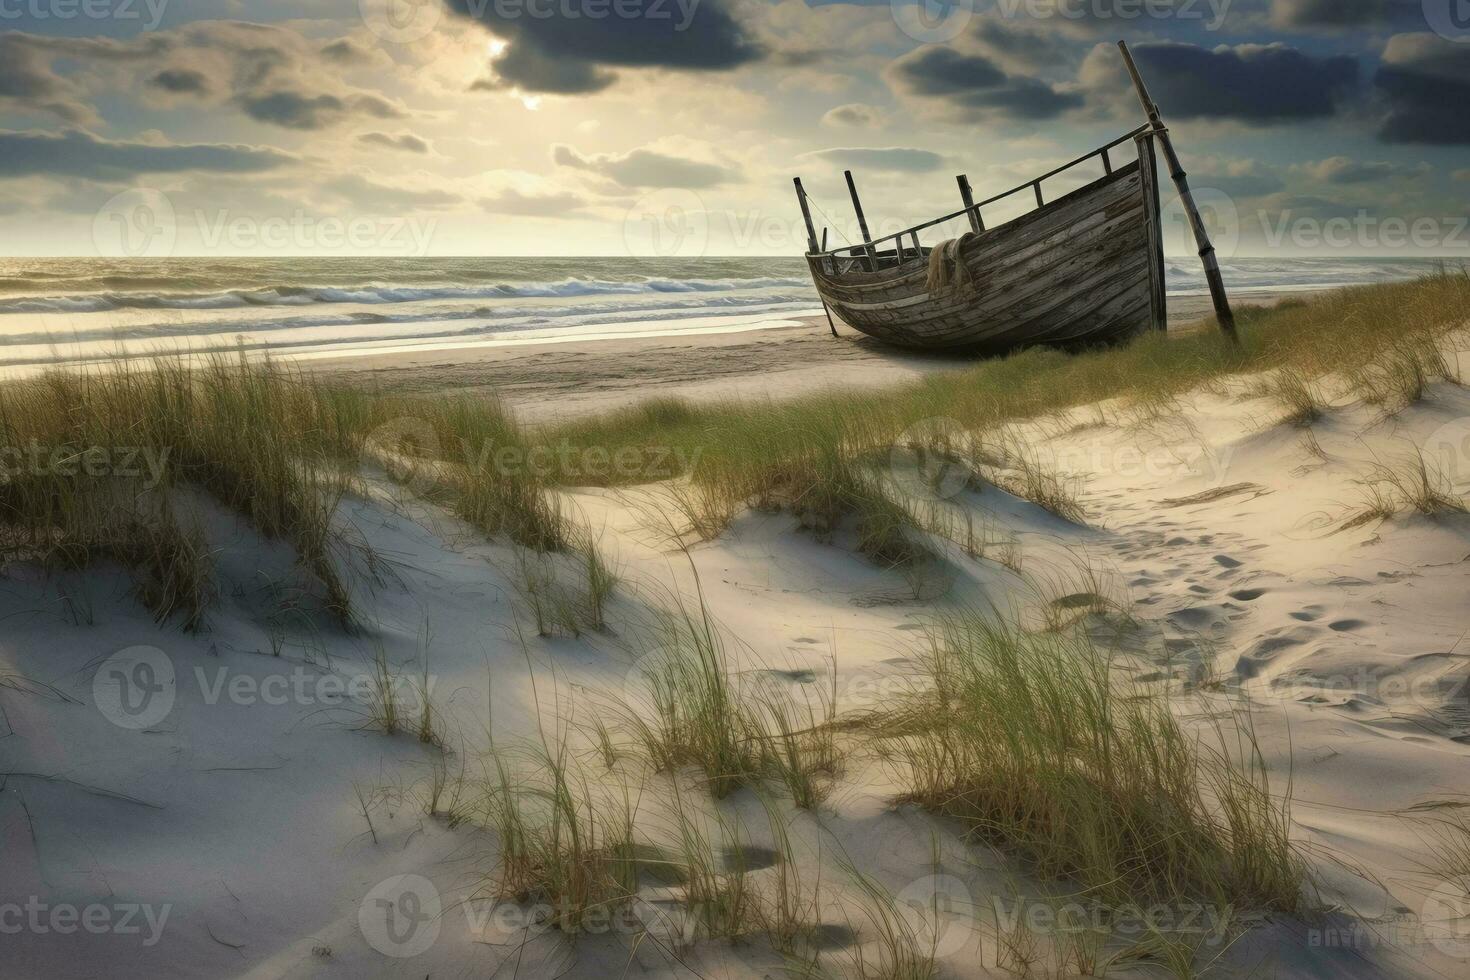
x: 1425, y: 81
x: 565, y: 49
x: 1344, y: 13
x: 525, y: 67
x: 406, y: 142
x: 1257, y: 83
x: 646, y: 168
x: 79, y: 154
x: 272, y: 74
x: 971, y: 86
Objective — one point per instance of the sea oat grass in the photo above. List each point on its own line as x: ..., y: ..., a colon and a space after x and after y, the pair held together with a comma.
x: 1038, y: 744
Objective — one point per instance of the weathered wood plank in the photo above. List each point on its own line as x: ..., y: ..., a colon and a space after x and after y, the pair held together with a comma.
x: 1080, y: 269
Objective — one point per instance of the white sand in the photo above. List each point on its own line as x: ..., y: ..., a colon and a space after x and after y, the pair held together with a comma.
x: 239, y: 817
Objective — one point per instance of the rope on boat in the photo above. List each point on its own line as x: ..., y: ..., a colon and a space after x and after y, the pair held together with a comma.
x: 830, y: 222
x: 946, y: 269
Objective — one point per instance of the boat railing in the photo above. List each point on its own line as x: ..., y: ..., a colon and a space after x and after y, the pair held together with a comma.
x: 877, y: 248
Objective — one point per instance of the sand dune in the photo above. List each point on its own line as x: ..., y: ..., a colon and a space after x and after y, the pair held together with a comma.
x: 251, y: 806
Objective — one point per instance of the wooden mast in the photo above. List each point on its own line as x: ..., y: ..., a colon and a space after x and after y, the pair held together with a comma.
x: 806, y: 215
x: 811, y: 242
x: 862, y: 222
x: 1186, y: 197
x: 968, y: 197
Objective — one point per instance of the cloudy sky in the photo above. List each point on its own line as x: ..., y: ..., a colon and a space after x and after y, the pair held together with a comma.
x: 522, y: 127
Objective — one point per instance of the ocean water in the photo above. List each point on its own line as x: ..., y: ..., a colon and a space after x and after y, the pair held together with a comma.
x: 60, y: 310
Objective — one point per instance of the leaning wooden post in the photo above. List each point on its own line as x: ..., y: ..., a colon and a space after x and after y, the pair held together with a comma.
x: 968, y: 196
x: 811, y: 242
x: 1191, y: 210
x: 862, y: 222
x: 806, y: 215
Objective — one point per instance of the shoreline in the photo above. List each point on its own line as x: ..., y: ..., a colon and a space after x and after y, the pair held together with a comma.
x: 551, y: 380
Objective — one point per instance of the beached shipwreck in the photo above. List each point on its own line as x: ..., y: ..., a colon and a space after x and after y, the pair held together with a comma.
x: 1084, y: 268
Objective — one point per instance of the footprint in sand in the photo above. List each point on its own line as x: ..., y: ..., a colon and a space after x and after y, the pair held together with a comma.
x: 1347, y: 625
x: 1309, y: 614
x: 1196, y: 618
x: 1247, y: 595
x: 1265, y: 649
x: 1226, y: 561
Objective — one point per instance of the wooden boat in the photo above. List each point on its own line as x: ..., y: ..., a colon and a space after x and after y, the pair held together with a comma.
x: 1084, y: 268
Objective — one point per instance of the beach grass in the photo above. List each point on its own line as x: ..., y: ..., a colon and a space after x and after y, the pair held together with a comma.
x: 817, y: 455
x: 283, y: 448
x: 1038, y: 742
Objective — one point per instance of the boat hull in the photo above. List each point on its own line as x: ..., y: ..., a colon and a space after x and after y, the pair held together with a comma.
x: 1084, y: 269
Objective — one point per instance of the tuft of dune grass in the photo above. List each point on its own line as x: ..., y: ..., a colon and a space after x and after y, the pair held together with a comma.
x: 240, y: 434
x: 1383, y: 342
x: 1038, y: 743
